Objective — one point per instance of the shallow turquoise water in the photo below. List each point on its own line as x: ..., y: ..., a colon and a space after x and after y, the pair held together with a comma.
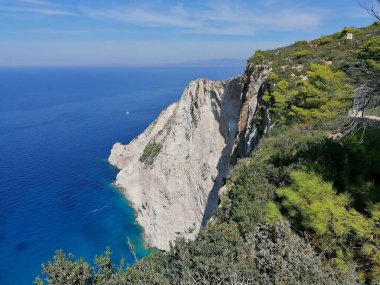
x: 57, y: 127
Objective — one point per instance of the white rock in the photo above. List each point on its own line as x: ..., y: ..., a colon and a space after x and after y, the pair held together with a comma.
x: 173, y: 194
x: 176, y: 192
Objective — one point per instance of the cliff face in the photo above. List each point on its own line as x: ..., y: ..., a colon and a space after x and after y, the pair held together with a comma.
x: 172, y: 172
x: 248, y: 132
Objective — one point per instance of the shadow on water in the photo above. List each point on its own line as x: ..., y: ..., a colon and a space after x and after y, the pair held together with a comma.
x: 22, y: 246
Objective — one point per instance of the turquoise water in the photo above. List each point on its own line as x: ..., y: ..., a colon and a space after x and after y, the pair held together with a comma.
x: 57, y: 127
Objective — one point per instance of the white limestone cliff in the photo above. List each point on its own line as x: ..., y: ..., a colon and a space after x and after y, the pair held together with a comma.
x: 172, y: 172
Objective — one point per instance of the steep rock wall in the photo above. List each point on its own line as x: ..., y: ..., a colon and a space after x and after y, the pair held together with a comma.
x: 249, y: 130
x: 172, y: 172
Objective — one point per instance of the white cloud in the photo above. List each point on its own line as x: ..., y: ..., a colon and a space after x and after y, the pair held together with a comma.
x: 225, y: 19
x: 222, y: 18
x: 41, y: 7
x: 39, y: 2
x: 143, y: 17
x: 31, y: 10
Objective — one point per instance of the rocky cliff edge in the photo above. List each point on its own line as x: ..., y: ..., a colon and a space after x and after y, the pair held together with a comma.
x: 171, y: 173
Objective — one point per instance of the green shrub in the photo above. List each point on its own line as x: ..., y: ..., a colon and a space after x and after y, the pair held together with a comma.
x: 348, y: 30
x: 300, y: 44
x: 342, y: 232
x: 325, y: 40
x: 151, y: 150
x: 220, y: 255
x: 249, y: 195
x: 64, y: 270
x: 325, y: 96
x: 272, y: 213
x: 353, y: 168
x: 302, y: 53
x: 284, y: 258
x: 258, y: 58
x: 370, y: 53
x: 370, y: 50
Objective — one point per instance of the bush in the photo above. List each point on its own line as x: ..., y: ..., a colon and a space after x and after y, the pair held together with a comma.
x: 370, y: 50
x: 302, y: 53
x: 353, y: 168
x: 325, y: 96
x: 258, y: 58
x: 220, y: 255
x: 342, y: 233
x: 300, y: 43
x: 151, y: 150
x: 250, y: 191
x: 64, y: 270
x: 347, y: 30
x: 325, y: 40
x: 284, y: 258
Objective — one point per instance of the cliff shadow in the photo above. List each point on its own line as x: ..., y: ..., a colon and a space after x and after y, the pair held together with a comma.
x: 238, y: 143
x: 229, y: 109
x: 213, y: 197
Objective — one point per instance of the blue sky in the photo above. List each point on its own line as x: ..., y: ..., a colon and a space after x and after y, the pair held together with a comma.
x: 131, y: 32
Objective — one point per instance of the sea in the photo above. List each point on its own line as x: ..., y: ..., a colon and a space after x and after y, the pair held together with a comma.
x: 57, y: 127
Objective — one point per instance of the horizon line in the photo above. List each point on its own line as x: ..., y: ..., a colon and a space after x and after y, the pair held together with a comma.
x: 195, y: 63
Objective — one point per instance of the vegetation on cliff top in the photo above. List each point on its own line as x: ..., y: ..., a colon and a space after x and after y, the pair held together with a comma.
x: 292, y: 66
x: 303, y: 209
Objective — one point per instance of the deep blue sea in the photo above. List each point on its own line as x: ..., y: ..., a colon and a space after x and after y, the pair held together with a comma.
x: 57, y: 127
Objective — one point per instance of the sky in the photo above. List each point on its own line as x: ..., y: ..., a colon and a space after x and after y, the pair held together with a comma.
x: 161, y: 32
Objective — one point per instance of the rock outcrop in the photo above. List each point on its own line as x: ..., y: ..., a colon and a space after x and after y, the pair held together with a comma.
x: 172, y: 172
x: 249, y: 129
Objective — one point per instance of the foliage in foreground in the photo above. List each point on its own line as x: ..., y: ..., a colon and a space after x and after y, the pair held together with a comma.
x: 341, y: 225
x: 270, y: 255
x: 344, y: 234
